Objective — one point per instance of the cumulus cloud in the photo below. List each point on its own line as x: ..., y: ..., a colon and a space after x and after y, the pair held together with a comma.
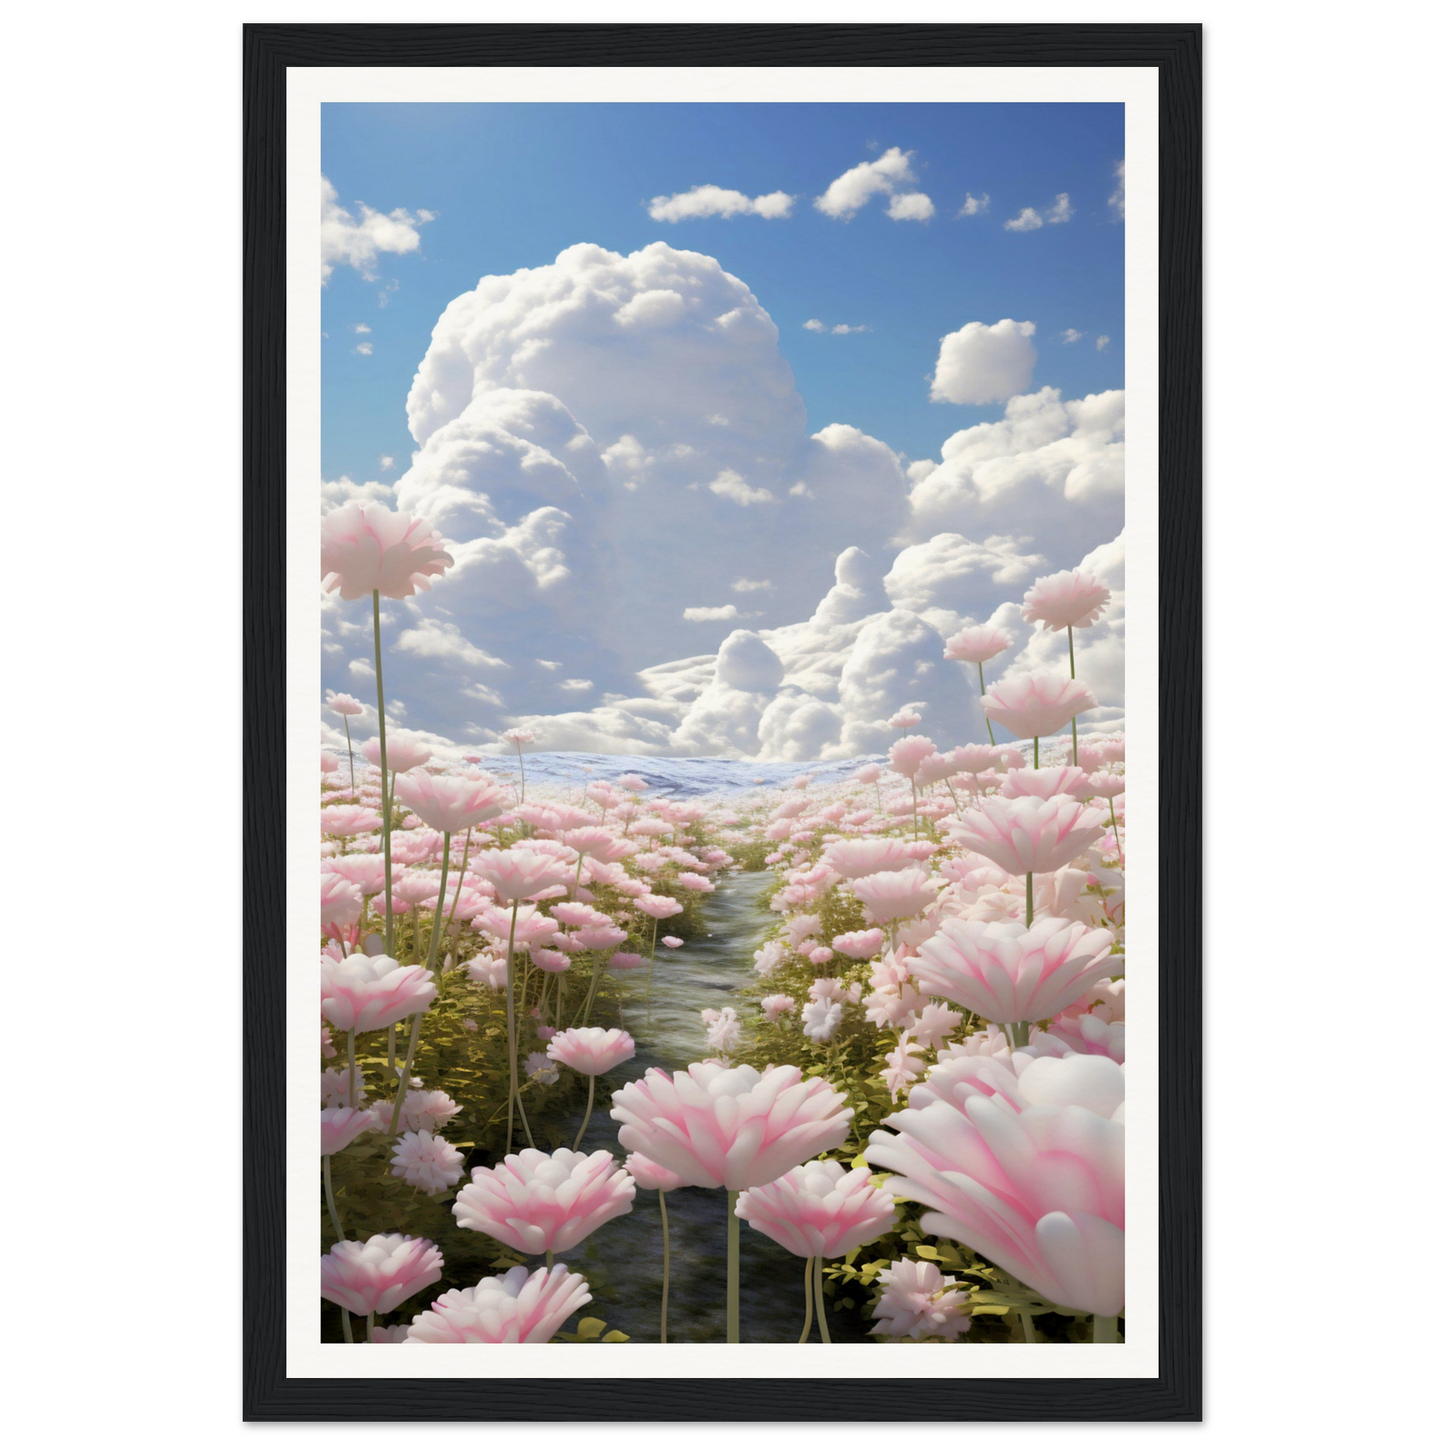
x: 362, y: 348
x: 710, y: 614
x: 841, y: 328
x: 730, y: 485
x: 604, y: 439
x: 911, y: 206
x: 386, y: 463
x: 974, y: 205
x: 361, y: 328
x: 1101, y: 344
x: 847, y: 195
x: 357, y: 239
x: 343, y: 490
x: 703, y: 201
x: 1070, y: 336
x: 979, y: 363
x: 1116, y: 200
x: 1027, y: 219
x: 1062, y: 210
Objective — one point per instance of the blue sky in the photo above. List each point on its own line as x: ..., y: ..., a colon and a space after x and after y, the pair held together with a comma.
x: 676, y: 532
x: 511, y: 186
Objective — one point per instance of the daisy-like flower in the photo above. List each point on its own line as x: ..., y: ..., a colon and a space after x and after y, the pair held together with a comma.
x: 426, y: 1161
x: 1066, y: 599
x: 919, y: 1302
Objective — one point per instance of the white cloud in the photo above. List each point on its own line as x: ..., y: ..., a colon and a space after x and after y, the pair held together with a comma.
x: 843, y: 329
x: 1027, y: 219
x: 356, y: 240
x: 814, y: 325
x: 855, y: 188
x: 361, y: 328
x: 979, y: 363
x: 1116, y: 200
x: 570, y: 459
x: 444, y: 642
x: 386, y: 463
x: 710, y: 614
x: 343, y: 490
x: 974, y: 205
x: 1070, y: 336
x: 703, y: 201
x: 912, y: 206
x: 1061, y: 210
x: 1101, y: 343
x: 362, y: 348
x: 730, y: 485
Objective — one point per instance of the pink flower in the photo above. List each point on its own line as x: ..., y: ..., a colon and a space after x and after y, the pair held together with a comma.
x: 775, y: 1005
x: 366, y: 870
x: 340, y: 1126
x: 919, y: 1302
x: 372, y: 549
x: 449, y: 804
x: 905, y: 717
x: 426, y: 1161
x: 346, y: 820
x: 362, y: 993
x: 591, y: 1050
x: 859, y: 945
x: 730, y: 1128
x: 422, y: 1110
x: 624, y: 961
x: 868, y: 773
x: 1011, y: 974
x: 519, y: 874
x: 858, y: 857
x: 656, y: 905
x: 650, y: 1175
x: 329, y: 763
x: 977, y: 644
x: 341, y: 904
x: 1066, y: 599
x: 518, y: 736
x: 535, y: 1202
x: 819, y: 1208
x: 1039, y: 1192
x: 1065, y: 782
x: 1036, y: 704
x: 668, y: 941
x: 901, y: 894
x: 509, y: 1309
x: 375, y: 1277
x: 907, y: 754
x: 1030, y: 835
x: 403, y: 752
x: 344, y: 705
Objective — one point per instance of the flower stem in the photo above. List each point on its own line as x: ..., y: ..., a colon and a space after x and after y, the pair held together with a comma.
x: 511, y: 1033
x: 1115, y: 822
x: 666, y: 1261
x: 1106, y: 1329
x: 818, y: 1292
x: 733, y: 1246
x: 982, y: 692
x: 1073, y: 721
x: 1028, y: 900
x: 591, y: 1094
x: 807, y: 1301
x: 436, y: 923
x: 403, y: 1077
x: 331, y: 1208
x: 371, y: 1329
x: 346, y: 1325
x: 1036, y: 753
x: 351, y: 1068
x: 1026, y: 1320
x: 523, y: 767
x: 350, y: 757
x: 385, y: 797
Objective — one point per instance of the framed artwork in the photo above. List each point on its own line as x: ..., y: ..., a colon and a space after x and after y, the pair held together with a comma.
x: 713, y: 442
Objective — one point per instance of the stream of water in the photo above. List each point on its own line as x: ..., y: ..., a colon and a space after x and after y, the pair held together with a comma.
x: 623, y: 1259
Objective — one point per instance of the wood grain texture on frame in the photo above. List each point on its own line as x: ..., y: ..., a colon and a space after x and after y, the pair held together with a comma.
x: 1176, y: 51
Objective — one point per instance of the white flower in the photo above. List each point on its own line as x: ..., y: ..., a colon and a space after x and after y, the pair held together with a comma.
x: 542, y: 1068
x: 724, y: 1032
x: 426, y: 1161
x: 821, y: 1019
x: 919, y: 1302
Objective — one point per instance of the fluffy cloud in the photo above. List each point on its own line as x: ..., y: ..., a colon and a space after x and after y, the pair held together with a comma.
x: 608, y: 438
x: 703, y: 201
x: 356, y: 240
x: 1116, y: 200
x: 1069, y: 336
x: 840, y: 329
x: 847, y: 195
x: 911, y: 206
x: 1027, y: 219
x: 974, y: 205
x: 1101, y: 344
x: 979, y: 364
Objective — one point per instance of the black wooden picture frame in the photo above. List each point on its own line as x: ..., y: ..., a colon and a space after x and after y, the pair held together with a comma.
x: 1175, y: 49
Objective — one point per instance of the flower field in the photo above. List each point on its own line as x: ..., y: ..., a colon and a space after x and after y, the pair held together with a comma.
x: 889, y: 1107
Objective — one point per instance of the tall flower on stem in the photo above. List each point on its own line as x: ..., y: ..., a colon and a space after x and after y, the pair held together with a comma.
x: 730, y: 1128
x: 389, y: 554
x: 370, y: 1279
x: 1066, y: 600
x: 818, y: 1211
x: 591, y: 1052
x: 346, y: 707
x: 978, y: 645
x: 1036, y: 704
x: 517, y: 875
x: 518, y: 736
x: 653, y: 1176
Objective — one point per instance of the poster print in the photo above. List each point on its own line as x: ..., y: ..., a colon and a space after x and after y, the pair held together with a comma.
x: 729, y: 732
